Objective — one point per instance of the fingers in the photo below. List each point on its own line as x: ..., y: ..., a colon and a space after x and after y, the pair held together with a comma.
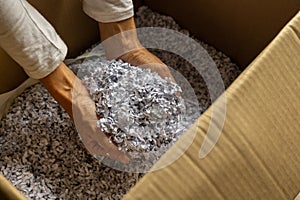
x: 95, y: 141
x: 143, y: 59
x: 85, y: 119
x: 100, y: 145
x: 161, y: 69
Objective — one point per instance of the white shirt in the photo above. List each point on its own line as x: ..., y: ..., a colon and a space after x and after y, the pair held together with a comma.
x: 32, y: 42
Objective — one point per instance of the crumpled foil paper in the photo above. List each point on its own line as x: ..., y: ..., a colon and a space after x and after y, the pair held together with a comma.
x: 137, y: 109
x: 41, y: 153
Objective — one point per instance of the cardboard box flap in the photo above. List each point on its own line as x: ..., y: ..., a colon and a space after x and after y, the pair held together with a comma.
x: 257, y: 155
x: 8, y: 191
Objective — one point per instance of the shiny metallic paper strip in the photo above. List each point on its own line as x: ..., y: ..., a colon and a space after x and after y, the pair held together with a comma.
x: 138, y: 109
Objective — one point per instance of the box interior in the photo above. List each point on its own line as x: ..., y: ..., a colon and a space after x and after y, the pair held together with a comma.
x: 240, y: 29
x: 257, y: 154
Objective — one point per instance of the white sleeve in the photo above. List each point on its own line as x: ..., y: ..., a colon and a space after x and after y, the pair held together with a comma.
x: 29, y: 39
x: 108, y: 10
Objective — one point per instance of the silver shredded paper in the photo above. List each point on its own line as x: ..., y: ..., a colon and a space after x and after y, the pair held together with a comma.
x: 41, y: 154
x: 140, y: 111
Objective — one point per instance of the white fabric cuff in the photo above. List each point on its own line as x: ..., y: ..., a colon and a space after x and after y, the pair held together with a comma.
x: 106, y: 11
x: 29, y: 39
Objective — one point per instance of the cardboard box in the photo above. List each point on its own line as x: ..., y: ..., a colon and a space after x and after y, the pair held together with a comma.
x: 240, y: 29
x: 257, y: 155
x: 8, y: 191
x: 77, y: 30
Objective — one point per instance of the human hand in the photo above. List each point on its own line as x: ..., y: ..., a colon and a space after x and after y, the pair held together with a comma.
x: 85, y: 119
x: 72, y: 95
x: 142, y: 58
x: 120, y: 41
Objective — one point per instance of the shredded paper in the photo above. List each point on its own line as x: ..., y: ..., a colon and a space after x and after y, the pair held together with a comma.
x: 140, y: 111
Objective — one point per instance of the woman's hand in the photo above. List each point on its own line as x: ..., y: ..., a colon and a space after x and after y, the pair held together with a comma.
x: 72, y: 95
x: 120, y: 41
x: 85, y: 120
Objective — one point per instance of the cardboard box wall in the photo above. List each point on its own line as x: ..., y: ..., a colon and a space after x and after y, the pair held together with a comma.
x: 258, y: 153
x: 254, y: 116
x: 241, y: 29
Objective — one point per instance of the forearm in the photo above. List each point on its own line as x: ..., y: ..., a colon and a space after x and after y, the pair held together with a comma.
x: 60, y: 84
x: 29, y: 39
x: 119, y: 37
x: 109, y: 29
x: 120, y: 41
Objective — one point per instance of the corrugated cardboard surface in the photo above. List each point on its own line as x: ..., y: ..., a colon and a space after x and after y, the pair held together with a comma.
x: 239, y: 28
x: 8, y: 191
x: 257, y: 156
x: 258, y: 153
